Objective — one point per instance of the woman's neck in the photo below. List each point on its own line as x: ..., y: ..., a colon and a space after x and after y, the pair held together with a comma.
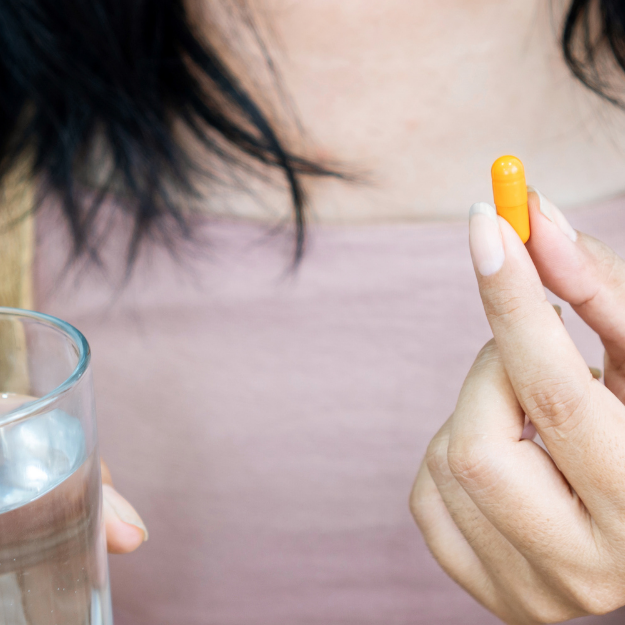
x: 423, y: 96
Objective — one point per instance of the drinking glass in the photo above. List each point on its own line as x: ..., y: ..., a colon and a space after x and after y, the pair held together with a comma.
x: 53, y: 562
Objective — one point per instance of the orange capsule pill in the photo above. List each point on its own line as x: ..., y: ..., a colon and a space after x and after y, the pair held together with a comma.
x: 510, y: 192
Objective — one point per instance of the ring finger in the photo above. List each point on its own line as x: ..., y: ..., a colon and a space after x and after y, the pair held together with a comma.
x: 502, y: 562
x: 446, y: 542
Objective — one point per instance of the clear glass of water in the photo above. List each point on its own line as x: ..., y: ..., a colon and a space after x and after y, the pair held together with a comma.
x: 53, y: 562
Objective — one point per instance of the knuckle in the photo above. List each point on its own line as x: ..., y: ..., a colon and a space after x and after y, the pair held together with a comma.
x: 424, y: 504
x: 612, y: 269
x: 586, y: 588
x: 546, y: 602
x: 506, y: 305
x: 595, y: 605
x: 489, y: 350
x: 594, y: 599
x: 539, y: 615
x: 598, y: 607
x: 436, y: 456
x: 423, y: 511
x: 488, y: 354
x: 546, y: 614
x: 471, y: 462
x: 556, y: 404
x: 417, y: 505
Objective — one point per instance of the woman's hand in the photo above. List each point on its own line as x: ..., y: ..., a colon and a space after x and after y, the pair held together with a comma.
x: 535, y: 537
x: 125, y: 531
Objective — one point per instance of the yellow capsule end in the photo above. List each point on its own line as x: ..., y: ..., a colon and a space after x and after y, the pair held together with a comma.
x: 510, y: 194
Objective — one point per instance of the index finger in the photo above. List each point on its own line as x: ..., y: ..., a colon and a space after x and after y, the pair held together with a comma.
x: 573, y: 413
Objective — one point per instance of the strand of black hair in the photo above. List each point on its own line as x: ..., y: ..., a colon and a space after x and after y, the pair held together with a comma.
x: 75, y: 74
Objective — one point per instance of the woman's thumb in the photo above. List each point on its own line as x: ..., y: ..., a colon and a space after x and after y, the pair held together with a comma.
x: 580, y: 270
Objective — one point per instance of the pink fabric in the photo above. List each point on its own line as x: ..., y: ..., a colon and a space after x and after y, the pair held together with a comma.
x: 268, y: 428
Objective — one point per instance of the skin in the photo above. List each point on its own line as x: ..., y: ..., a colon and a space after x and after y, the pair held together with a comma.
x: 536, y: 537
x: 423, y: 97
x: 125, y: 531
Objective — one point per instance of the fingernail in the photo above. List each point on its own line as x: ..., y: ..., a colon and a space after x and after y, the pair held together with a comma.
x: 554, y: 214
x: 485, y: 239
x: 123, y: 509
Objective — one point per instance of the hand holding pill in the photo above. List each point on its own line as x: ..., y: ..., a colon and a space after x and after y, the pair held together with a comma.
x: 536, y: 537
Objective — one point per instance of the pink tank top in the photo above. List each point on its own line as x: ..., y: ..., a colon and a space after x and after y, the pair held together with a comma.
x: 268, y: 427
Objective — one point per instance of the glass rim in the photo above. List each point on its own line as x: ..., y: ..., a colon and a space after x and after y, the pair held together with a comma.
x: 84, y: 358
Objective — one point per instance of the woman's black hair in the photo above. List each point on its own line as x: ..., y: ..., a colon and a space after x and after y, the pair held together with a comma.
x: 122, y: 81
x: 593, y: 42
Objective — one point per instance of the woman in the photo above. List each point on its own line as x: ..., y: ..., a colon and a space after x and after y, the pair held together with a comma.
x: 268, y: 430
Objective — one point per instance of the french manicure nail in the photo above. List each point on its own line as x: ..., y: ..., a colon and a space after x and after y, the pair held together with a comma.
x: 485, y: 239
x: 123, y: 509
x: 554, y: 214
